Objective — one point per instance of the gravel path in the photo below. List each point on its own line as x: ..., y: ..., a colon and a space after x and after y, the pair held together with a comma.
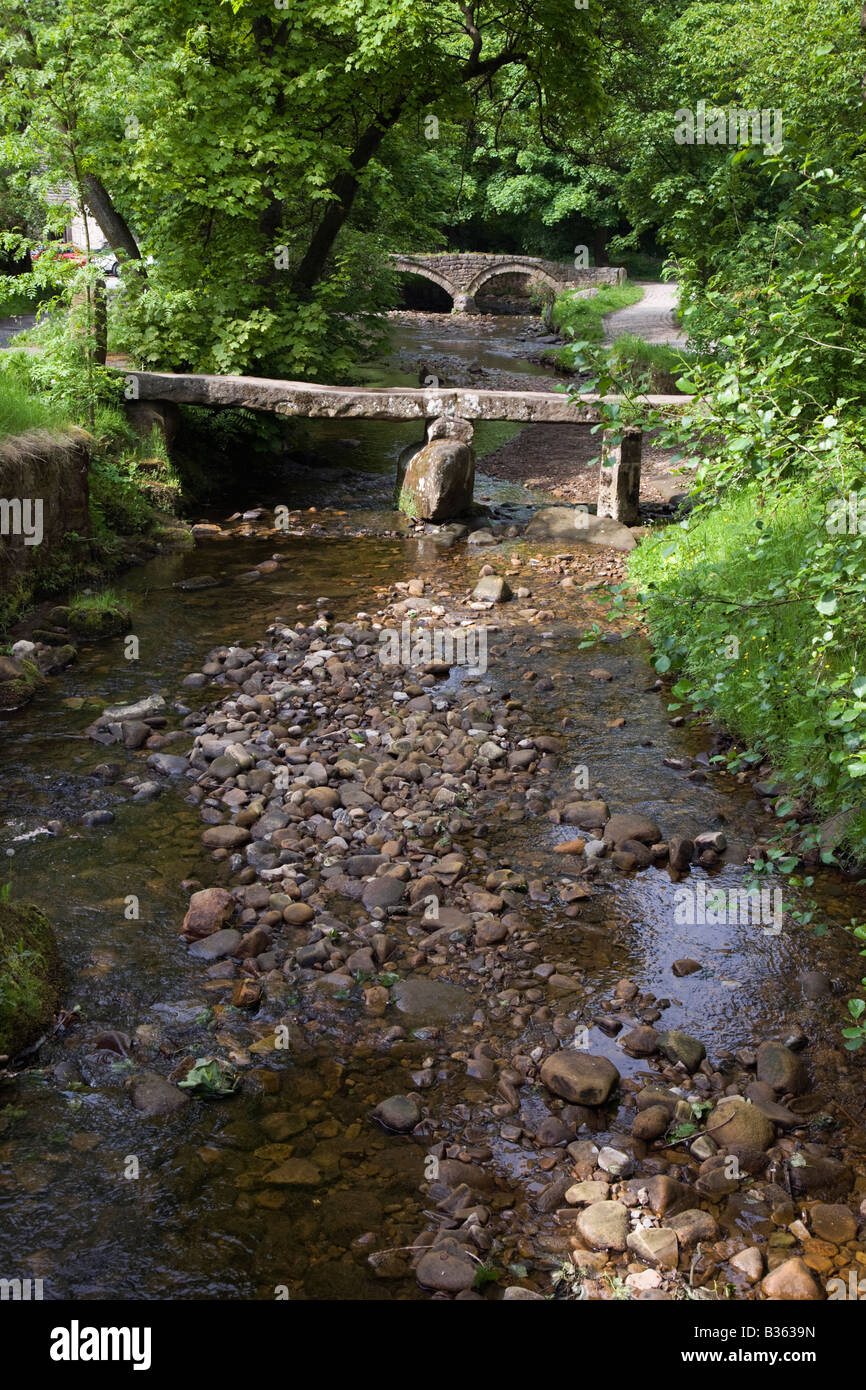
x: 652, y: 318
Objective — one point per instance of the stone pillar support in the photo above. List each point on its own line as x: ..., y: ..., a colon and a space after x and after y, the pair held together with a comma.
x: 464, y: 304
x: 450, y: 427
x: 619, y: 481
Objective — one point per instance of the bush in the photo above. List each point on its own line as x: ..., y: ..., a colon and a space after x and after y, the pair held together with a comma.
x: 760, y: 610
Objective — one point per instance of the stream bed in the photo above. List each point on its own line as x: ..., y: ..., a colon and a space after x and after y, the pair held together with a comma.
x: 101, y: 1201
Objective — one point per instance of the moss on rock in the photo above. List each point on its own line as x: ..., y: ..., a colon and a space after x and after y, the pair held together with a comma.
x: 30, y: 975
x: 91, y: 618
x: 19, y: 681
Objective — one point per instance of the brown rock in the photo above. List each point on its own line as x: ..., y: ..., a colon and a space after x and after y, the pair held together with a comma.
x: 651, y: 1123
x: 680, y: 853
x: 655, y: 1245
x: 604, y: 1226
x: 208, y: 910
x: 298, y: 914
x: 781, y: 1068
x: 833, y: 1222
x: 686, y: 966
x: 640, y: 1042
x: 692, y: 1226
x: 579, y: 1077
x: 791, y: 1280
x: 750, y: 1263
x: 736, y: 1123
x: 632, y: 827
x: 225, y: 836
x: 446, y: 1271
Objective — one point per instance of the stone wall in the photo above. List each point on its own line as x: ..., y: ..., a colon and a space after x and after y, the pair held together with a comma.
x: 43, y: 497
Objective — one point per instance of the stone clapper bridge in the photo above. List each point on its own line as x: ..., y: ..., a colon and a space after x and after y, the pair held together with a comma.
x: 436, y: 476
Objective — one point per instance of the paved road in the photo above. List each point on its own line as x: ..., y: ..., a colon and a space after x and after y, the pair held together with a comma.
x: 651, y: 318
x: 17, y: 324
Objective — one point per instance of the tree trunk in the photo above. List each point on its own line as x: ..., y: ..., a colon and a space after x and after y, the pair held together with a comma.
x: 113, y: 225
x: 344, y: 189
x: 345, y: 185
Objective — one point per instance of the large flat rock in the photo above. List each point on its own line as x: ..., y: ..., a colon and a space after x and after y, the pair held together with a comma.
x: 574, y: 525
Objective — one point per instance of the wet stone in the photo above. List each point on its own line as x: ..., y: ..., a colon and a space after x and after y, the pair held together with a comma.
x: 693, y: 1226
x: 681, y: 1047
x: 218, y: 944
x: 153, y: 1095
x: 398, y: 1113
x: 580, y: 1077
x: 736, y: 1123
x: 433, y: 1001
x: 655, y: 1245
x: 781, y: 1068
x: 791, y: 1280
x: 446, y: 1271
x: 833, y: 1222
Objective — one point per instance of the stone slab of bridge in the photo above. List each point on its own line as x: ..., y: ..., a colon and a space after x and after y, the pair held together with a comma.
x: 463, y: 275
x: 448, y: 417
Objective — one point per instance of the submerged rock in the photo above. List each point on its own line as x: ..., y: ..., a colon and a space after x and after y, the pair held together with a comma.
x: 153, y: 1095
x: 398, y: 1113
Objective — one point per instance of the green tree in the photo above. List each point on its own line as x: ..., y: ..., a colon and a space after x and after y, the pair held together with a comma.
x: 264, y: 157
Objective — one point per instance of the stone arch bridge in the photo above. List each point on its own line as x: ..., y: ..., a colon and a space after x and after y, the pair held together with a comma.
x: 463, y: 275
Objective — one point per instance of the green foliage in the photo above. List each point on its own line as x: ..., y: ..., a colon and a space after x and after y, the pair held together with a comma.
x: 212, y: 1077
x: 97, y: 615
x: 686, y: 1128
x: 29, y: 975
x: 761, y: 615
x: 20, y: 408
x: 267, y: 159
x: 655, y: 368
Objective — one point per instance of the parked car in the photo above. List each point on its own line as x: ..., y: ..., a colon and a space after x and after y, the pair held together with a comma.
x: 104, y: 257
x: 59, y: 251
